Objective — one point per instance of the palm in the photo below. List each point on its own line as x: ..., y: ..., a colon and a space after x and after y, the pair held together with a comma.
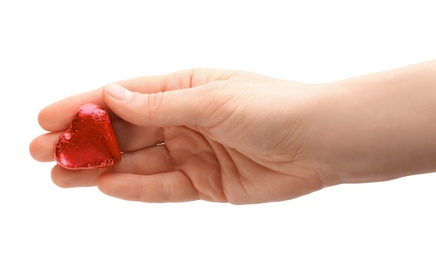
x: 194, y: 166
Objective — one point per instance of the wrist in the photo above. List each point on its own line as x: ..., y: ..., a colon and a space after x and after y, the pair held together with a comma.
x: 378, y: 127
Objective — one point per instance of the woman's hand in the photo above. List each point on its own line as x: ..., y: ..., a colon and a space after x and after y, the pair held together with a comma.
x: 238, y: 137
x: 198, y: 134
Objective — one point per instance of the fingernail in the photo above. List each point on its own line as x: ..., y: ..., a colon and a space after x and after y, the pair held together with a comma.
x: 118, y: 92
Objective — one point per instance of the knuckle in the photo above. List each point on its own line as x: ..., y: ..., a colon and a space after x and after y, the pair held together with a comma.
x: 153, y: 103
x: 178, y: 80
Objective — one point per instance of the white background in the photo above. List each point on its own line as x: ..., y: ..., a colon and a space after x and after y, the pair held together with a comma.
x: 52, y: 49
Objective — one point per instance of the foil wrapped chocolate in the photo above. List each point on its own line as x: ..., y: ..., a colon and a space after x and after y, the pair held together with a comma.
x: 89, y: 142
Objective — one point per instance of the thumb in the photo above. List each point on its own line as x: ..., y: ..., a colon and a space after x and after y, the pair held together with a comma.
x: 170, y: 108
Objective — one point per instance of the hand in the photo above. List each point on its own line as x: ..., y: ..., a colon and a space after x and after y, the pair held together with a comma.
x: 199, y: 134
x: 238, y: 137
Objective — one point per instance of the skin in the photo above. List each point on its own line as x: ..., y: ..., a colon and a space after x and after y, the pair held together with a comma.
x: 238, y: 137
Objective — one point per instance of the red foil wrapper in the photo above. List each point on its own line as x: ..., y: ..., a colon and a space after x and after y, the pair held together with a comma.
x: 89, y: 143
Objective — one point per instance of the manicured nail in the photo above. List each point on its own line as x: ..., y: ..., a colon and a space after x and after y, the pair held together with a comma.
x: 118, y: 92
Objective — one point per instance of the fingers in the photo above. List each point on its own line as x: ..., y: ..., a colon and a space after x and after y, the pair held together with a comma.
x: 143, y: 162
x: 188, y: 107
x: 67, y: 178
x: 175, y: 103
x: 130, y: 138
x: 176, y: 80
x: 57, y: 116
x: 41, y: 148
x: 171, y: 186
x: 166, y: 186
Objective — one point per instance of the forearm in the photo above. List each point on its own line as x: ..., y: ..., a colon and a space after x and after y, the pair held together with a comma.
x: 380, y: 126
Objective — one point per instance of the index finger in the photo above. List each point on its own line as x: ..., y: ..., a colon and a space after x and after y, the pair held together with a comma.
x: 57, y: 116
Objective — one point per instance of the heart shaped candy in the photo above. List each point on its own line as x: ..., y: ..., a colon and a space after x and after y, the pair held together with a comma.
x: 90, y: 141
